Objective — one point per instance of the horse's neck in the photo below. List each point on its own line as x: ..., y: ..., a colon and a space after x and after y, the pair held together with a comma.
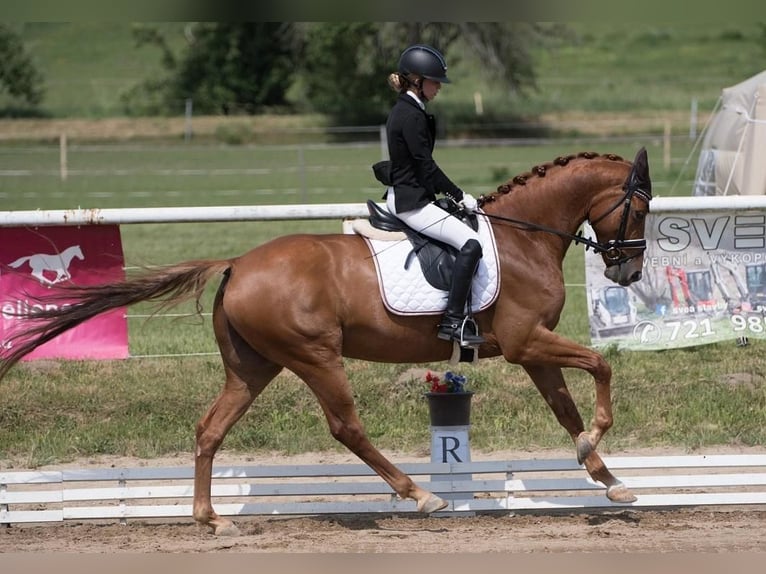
x: 556, y: 202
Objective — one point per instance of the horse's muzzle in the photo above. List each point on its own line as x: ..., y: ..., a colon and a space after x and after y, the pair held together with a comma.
x: 622, y: 276
x: 636, y: 276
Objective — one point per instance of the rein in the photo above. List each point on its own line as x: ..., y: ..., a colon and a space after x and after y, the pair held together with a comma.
x: 577, y: 238
x: 612, y: 249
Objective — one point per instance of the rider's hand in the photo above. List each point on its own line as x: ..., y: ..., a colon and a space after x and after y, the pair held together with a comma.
x: 469, y: 202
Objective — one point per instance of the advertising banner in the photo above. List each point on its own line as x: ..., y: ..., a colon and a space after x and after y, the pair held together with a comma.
x: 35, y: 262
x: 704, y: 281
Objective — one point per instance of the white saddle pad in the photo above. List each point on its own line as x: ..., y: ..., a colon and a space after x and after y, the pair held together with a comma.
x: 407, y: 292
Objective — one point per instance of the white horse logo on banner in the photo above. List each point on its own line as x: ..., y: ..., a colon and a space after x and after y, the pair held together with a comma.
x: 57, y: 263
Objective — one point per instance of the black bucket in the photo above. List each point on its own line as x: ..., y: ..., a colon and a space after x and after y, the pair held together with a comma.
x: 449, y: 409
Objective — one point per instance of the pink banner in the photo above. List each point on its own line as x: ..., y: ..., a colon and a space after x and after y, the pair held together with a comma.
x: 35, y: 260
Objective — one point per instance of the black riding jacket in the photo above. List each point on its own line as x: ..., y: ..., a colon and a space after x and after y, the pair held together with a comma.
x: 414, y: 174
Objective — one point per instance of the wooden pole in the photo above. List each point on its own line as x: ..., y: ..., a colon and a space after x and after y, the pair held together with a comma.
x: 666, y: 146
x: 693, y: 121
x: 63, y: 157
x: 188, y: 120
x: 478, y: 103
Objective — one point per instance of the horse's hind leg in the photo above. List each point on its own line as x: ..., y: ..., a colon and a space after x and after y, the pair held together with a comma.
x: 329, y: 383
x: 247, y: 374
x: 551, y: 384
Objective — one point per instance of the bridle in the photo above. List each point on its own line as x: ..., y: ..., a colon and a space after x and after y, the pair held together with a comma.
x: 614, y: 249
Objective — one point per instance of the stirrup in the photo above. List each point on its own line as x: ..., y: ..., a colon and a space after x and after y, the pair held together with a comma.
x: 466, y: 332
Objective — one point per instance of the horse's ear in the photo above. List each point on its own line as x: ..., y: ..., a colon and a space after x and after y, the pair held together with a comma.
x: 639, y: 176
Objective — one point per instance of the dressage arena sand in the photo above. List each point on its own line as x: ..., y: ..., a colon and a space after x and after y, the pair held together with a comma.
x: 698, y: 530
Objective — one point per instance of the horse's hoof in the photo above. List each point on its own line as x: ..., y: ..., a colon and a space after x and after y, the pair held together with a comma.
x: 226, y: 530
x: 619, y: 493
x: 584, y: 447
x: 431, y: 504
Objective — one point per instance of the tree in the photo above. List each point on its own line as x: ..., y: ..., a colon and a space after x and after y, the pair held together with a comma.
x: 502, y: 50
x: 225, y: 68
x: 334, y: 68
x: 233, y: 66
x: 344, y: 64
x: 18, y: 75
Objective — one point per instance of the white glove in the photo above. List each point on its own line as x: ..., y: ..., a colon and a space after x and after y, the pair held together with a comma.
x: 469, y: 202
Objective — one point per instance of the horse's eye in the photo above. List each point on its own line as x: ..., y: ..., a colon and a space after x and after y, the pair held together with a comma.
x: 639, y: 215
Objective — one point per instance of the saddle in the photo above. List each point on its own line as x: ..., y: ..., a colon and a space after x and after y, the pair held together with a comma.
x: 436, y: 257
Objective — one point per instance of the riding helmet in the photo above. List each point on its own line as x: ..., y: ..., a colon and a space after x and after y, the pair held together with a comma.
x: 424, y: 61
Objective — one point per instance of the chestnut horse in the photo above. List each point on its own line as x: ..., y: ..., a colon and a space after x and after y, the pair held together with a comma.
x: 303, y: 302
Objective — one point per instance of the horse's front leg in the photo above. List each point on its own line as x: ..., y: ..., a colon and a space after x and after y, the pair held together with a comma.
x: 543, y: 356
x: 550, y: 382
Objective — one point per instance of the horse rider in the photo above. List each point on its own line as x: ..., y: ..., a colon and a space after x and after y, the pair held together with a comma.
x: 415, y: 179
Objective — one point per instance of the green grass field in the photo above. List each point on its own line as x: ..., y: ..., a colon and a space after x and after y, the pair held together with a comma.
x: 146, y: 407
x: 111, y: 176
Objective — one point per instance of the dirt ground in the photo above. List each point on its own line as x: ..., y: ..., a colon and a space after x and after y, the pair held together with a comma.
x: 707, y: 530
x: 680, y: 531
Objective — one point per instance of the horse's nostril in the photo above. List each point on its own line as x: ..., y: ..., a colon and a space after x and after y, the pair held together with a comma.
x: 635, y: 277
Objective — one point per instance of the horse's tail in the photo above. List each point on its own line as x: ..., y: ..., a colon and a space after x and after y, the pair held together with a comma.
x: 20, y: 261
x: 165, y: 287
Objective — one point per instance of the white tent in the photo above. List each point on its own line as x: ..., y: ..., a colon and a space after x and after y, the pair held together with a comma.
x: 732, y: 159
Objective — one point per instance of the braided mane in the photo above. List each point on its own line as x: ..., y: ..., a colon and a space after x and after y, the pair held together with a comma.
x: 540, y: 171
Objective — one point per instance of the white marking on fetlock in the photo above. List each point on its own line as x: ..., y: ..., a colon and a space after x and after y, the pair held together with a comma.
x: 620, y: 494
x: 432, y: 504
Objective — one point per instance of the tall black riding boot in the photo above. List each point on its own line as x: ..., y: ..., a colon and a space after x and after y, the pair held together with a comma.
x: 453, y: 326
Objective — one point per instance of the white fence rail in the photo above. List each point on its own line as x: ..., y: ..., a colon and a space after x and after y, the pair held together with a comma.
x: 181, y: 214
x: 295, y: 212
x: 542, y: 485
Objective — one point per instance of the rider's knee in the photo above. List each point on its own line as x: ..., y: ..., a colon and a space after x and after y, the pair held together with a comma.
x: 473, y: 248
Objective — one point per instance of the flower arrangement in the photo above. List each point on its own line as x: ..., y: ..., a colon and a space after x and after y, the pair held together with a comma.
x: 452, y: 383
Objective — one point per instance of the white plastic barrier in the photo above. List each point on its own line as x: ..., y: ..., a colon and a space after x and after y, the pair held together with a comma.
x: 544, y: 485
